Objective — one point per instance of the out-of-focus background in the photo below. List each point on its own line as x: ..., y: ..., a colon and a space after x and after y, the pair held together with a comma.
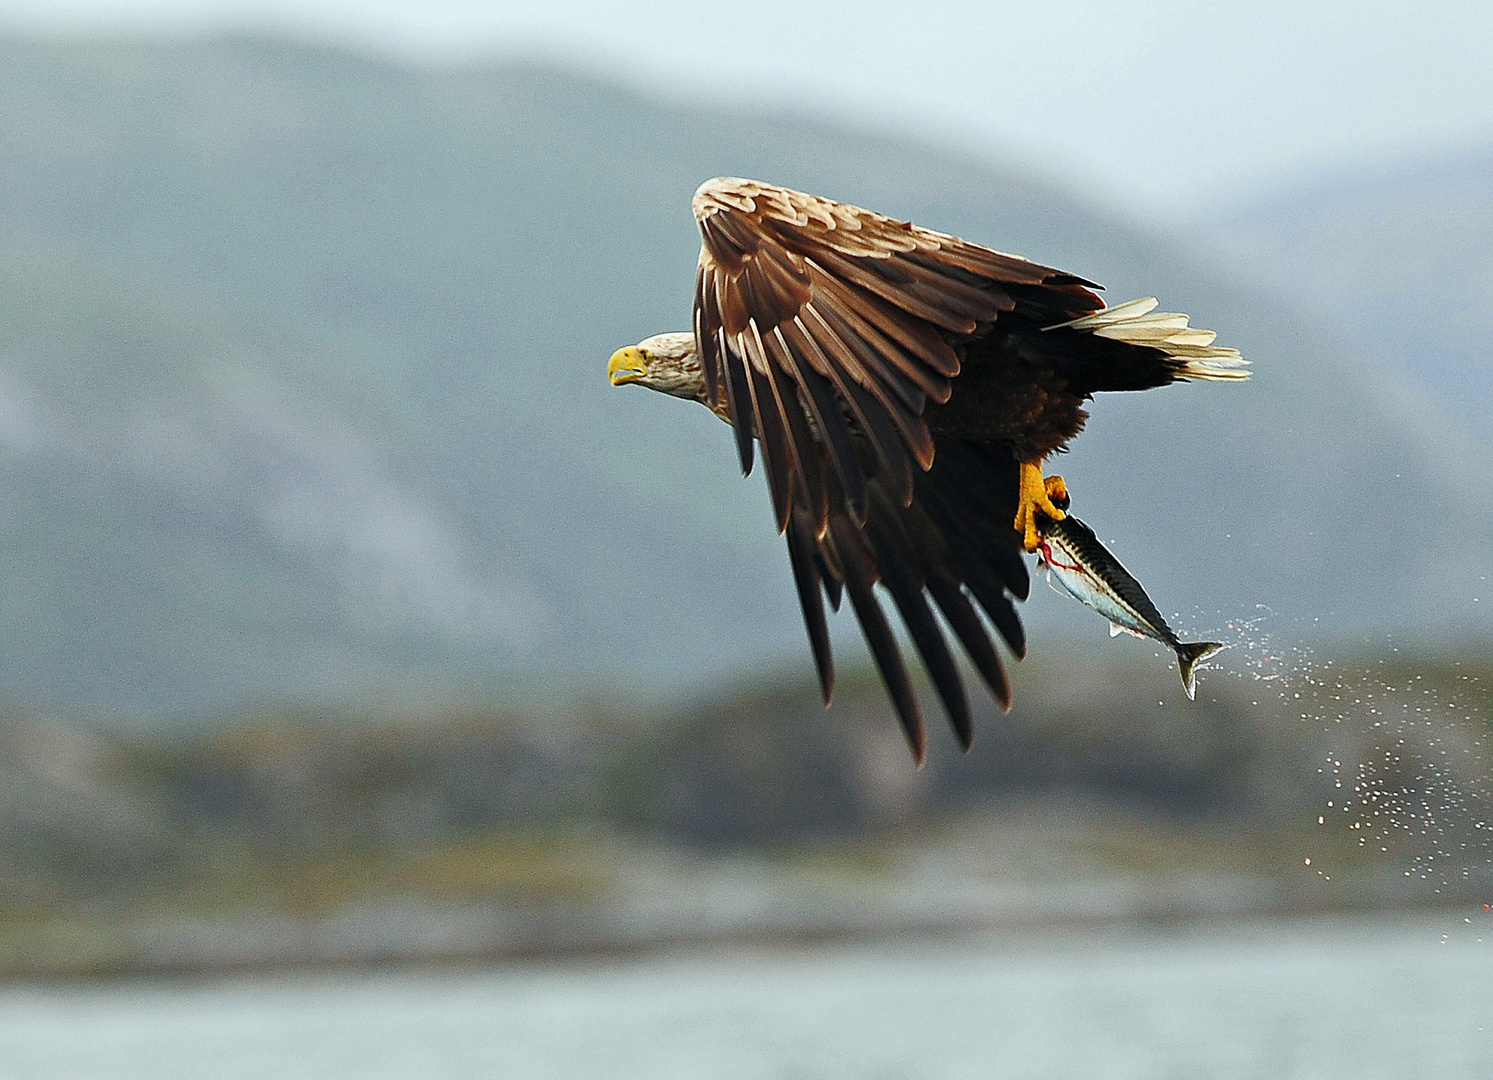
x: 350, y: 618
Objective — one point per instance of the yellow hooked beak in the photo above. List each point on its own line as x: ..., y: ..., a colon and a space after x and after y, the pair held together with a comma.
x: 627, y: 365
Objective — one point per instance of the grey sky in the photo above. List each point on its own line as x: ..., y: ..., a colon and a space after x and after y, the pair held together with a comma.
x: 1162, y: 107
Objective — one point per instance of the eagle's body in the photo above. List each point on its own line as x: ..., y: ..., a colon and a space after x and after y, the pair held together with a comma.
x: 903, y: 388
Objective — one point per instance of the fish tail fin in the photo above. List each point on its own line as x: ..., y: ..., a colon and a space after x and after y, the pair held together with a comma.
x: 1189, y: 655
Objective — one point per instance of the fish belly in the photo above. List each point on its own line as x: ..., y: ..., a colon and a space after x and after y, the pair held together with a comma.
x: 1091, y: 593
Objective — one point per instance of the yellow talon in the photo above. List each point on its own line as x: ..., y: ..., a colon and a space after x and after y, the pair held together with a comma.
x: 1057, y: 491
x: 1036, y: 497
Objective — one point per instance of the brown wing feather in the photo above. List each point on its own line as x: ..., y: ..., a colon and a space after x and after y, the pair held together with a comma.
x: 909, y: 549
x: 877, y: 296
x: 828, y: 330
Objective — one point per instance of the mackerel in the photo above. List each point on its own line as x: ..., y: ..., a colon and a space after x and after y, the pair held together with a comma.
x: 1070, y: 552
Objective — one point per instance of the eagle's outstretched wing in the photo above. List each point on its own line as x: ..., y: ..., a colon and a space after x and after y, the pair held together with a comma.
x: 827, y: 329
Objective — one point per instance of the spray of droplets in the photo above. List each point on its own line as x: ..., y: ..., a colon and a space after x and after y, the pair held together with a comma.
x: 1410, y: 765
x: 1405, y: 754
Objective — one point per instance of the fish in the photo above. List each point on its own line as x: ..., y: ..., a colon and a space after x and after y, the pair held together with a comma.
x: 1070, y: 552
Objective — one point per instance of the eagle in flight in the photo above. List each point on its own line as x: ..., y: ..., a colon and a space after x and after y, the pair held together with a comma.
x: 903, y: 388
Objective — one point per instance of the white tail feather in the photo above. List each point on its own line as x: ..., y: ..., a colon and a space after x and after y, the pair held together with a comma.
x: 1137, y: 322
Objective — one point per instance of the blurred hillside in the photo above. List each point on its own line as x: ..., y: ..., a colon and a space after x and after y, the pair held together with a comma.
x: 301, y: 395
x: 1400, y: 264
x: 357, y: 835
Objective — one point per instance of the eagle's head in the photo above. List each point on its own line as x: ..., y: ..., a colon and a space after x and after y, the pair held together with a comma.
x: 667, y: 363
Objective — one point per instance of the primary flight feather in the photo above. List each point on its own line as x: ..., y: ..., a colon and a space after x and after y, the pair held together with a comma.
x: 903, y: 388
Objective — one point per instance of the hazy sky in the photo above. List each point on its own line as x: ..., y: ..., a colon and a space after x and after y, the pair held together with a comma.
x: 1162, y: 107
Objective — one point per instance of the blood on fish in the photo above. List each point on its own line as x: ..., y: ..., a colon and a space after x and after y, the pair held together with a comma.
x: 1056, y: 564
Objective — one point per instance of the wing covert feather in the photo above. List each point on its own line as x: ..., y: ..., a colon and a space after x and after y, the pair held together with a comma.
x: 873, y: 299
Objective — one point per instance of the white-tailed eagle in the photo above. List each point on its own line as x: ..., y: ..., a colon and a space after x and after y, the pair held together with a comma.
x: 903, y: 388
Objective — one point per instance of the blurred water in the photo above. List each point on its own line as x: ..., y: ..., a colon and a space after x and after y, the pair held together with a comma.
x: 1329, y: 998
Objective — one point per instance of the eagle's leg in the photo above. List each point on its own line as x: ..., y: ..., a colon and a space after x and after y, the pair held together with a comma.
x: 1035, y: 498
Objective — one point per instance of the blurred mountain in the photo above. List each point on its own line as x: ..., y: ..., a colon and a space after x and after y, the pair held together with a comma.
x: 302, y: 392
x: 1399, y: 263
x: 295, y: 834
